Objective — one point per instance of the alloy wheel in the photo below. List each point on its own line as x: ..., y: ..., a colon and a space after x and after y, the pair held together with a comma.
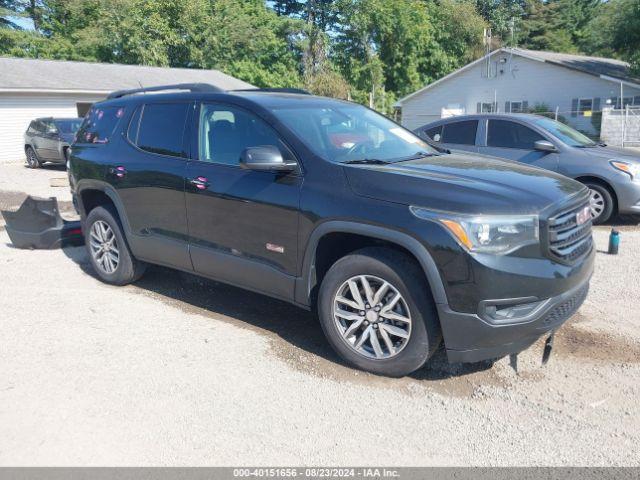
x: 596, y: 203
x: 104, y: 246
x: 372, y: 317
x: 32, y: 161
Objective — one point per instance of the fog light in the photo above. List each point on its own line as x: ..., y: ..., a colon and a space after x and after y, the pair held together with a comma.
x: 510, y: 311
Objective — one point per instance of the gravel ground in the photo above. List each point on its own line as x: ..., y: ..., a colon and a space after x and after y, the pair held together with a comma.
x: 176, y: 370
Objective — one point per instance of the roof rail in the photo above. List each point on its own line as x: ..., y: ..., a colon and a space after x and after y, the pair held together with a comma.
x: 280, y: 90
x: 191, y: 87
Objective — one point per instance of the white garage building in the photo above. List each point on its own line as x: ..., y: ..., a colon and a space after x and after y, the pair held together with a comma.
x: 32, y: 88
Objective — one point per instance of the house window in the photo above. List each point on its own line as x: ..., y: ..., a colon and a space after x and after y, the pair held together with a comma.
x: 487, y: 108
x: 585, y: 106
x: 627, y: 101
x: 516, y: 107
x: 636, y: 100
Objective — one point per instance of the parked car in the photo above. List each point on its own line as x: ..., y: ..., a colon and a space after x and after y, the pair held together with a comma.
x: 611, y: 174
x: 397, y: 246
x: 48, y: 139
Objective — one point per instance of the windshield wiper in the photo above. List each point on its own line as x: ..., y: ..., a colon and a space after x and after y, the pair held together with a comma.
x: 366, y: 161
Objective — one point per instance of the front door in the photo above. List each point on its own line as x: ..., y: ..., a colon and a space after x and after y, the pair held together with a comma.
x: 148, y: 173
x: 242, y: 224
x: 515, y: 141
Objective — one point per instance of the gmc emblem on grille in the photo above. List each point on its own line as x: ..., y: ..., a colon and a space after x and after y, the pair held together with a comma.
x: 583, y: 216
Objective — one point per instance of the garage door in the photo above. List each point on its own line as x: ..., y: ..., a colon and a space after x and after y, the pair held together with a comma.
x: 17, y: 111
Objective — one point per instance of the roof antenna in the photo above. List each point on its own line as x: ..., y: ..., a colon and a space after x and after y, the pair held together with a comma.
x: 140, y: 83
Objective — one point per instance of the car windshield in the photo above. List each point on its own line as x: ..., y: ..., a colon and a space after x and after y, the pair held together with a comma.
x: 568, y: 135
x: 348, y: 132
x: 68, y: 126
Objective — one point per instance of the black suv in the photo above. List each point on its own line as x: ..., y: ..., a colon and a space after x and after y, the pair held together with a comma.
x: 331, y: 206
x: 48, y: 140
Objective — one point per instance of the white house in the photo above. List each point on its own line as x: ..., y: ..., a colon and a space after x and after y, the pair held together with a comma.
x: 32, y: 88
x: 514, y: 79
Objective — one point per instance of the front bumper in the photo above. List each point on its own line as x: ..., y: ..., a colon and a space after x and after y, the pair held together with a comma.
x: 470, y: 338
x: 628, y: 194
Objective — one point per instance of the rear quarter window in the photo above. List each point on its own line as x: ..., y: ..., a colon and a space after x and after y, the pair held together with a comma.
x: 99, y: 124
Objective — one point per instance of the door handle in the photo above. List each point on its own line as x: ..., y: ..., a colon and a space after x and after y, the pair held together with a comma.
x: 118, y: 172
x: 201, y: 183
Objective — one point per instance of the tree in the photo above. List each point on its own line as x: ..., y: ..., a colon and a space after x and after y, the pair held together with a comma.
x: 501, y: 15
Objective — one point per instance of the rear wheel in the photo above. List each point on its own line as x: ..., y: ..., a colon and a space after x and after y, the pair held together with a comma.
x: 376, y: 311
x: 108, y: 249
x: 601, y: 202
x: 32, y: 158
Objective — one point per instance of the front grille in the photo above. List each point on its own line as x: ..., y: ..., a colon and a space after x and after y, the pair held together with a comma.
x: 569, y: 241
x: 567, y: 308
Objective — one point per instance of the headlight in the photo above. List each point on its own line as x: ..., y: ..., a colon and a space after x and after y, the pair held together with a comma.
x: 632, y: 169
x: 497, y: 234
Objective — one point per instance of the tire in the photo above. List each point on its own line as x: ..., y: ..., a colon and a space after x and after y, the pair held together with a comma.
x: 379, y: 265
x: 602, y: 203
x: 102, y: 227
x: 32, y: 158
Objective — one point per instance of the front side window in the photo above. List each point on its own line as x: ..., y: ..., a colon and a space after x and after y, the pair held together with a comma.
x: 342, y: 132
x: 462, y: 133
x: 99, y: 124
x: 226, y: 131
x: 506, y: 134
x: 161, y: 128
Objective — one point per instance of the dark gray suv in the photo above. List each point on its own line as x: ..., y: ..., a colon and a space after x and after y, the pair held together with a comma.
x: 48, y: 139
x: 612, y: 174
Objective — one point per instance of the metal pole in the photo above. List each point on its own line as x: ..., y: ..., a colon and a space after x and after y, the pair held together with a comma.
x: 557, y: 108
x: 624, y: 124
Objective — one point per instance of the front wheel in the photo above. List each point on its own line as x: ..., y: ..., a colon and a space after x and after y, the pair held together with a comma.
x: 32, y: 158
x: 601, y: 202
x: 377, y: 313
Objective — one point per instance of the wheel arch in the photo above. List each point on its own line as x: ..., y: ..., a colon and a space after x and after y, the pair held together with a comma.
x: 91, y: 193
x: 309, y: 281
x: 604, y: 183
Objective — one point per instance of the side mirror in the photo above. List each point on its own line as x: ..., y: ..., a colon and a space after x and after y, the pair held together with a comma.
x: 265, y: 158
x: 545, y: 146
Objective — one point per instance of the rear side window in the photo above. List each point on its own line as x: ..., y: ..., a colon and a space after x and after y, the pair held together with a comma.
x: 99, y: 124
x: 161, y: 128
x: 434, y: 133
x: 506, y: 134
x: 462, y: 133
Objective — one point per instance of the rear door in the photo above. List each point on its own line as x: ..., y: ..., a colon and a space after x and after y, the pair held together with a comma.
x: 48, y: 142
x: 243, y: 224
x: 515, y: 141
x: 456, y: 135
x: 149, y: 175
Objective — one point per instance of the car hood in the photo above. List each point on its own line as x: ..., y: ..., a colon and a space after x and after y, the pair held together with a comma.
x: 463, y: 183
x: 612, y: 153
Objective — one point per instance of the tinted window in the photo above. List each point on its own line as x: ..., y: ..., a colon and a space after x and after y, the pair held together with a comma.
x: 99, y: 124
x: 162, y: 128
x: 505, y: 134
x: 68, y: 126
x: 32, y: 128
x: 134, y: 125
x: 564, y: 132
x: 463, y: 133
x: 434, y: 133
x: 226, y: 131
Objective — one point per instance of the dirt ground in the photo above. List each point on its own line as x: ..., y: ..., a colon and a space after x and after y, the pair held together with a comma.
x: 176, y: 370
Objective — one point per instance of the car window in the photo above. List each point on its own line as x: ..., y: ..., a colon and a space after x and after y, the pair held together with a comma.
x: 99, y: 124
x: 434, y: 133
x: 68, y: 125
x: 226, y: 131
x: 505, y: 134
x: 341, y: 132
x: 49, y: 127
x: 462, y: 133
x: 134, y: 126
x: 161, y: 128
x: 564, y: 132
x: 32, y: 128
